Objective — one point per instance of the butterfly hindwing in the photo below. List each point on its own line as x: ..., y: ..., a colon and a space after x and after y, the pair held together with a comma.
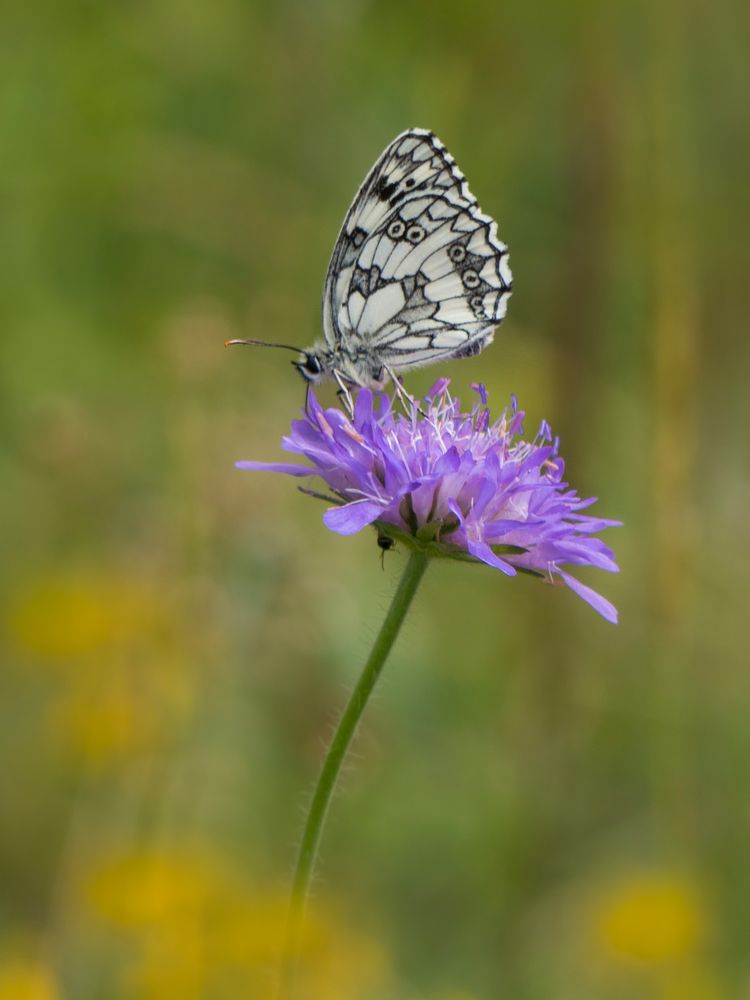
x: 418, y: 271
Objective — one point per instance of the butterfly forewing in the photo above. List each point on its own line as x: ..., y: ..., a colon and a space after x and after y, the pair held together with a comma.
x: 417, y: 272
x: 411, y: 163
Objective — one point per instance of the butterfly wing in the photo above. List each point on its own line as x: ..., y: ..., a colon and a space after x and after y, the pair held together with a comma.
x: 418, y: 272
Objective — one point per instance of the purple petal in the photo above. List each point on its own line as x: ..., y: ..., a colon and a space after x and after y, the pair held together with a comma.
x: 385, y: 409
x: 516, y: 424
x: 587, y: 552
x: 485, y: 490
x: 438, y: 388
x: 307, y: 439
x: 597, y: 602
x: 456, y: 511
x: 582, y: 504
x: 589, y: 524
x: 352, y: 517
x: 449, y: 462
x: 363, y: 408
x: 496, y: 529
x: 422, y: 500
x: 483, y: 421
x: 485, y: 553
x: 314, y: 409
x: 289, y: 470
x: 535, y: 458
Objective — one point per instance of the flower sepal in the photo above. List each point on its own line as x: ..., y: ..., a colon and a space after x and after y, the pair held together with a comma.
x: 430, y: 544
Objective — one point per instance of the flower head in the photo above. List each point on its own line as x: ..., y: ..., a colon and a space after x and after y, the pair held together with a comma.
x: 453, y: 482
x: 650, y: 917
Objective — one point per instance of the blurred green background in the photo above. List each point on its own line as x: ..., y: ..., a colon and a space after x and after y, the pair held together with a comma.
x: 541, y: 806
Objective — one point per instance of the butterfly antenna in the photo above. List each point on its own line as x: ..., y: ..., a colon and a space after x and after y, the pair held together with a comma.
x: 264, y: 343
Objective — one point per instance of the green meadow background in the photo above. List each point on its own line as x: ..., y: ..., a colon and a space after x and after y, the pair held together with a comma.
x: 541, y: 806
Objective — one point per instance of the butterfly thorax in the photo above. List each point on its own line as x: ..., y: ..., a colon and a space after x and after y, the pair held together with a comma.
x: 352, y: 364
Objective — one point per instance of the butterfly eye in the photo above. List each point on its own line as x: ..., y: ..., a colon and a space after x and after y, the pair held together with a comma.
x: 470, y: 278
x: 312, y: 365
x: 396, y: 229
x: 415, y: 233
x: 457, y: 253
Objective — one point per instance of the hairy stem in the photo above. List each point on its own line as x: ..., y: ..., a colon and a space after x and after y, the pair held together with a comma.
x: 335, y: 756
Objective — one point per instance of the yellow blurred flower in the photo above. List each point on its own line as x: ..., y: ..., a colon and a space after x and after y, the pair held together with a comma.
x: 139, y: 890
x: 122, y: 710
x: 99, y: 726
x: 650, y: 918
x: 63, y: 616
x: 26, y: 979
x: 123, y: 678
x: 200, y: 929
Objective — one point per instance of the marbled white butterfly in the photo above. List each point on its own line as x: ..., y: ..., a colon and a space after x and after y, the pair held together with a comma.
x: 417, y: 273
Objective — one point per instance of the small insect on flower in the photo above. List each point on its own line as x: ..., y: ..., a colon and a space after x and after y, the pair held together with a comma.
x: 385, y: 544
x: 452, y: 483
x: 417, y: 274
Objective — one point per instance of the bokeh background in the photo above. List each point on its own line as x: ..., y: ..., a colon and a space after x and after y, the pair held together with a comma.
x: 541, y: 806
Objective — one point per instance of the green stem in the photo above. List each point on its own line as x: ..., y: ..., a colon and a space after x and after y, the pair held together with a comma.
x: 334, y: 758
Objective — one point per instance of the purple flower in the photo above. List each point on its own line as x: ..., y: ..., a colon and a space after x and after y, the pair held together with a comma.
x: 453, y: 483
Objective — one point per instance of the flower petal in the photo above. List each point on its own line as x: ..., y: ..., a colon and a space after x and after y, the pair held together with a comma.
x: 597, y: 602
x: 482, y: 551
x: 496, y: 529
x: 289, y: 470
x: 438, y: 389
x: 363, y: 408
x: 352, y: 517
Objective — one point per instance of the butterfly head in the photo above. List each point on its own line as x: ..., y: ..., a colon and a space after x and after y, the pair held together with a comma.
x: 310, y: 367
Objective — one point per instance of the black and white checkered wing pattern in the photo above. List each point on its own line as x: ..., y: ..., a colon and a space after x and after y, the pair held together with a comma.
x: 418, y: 272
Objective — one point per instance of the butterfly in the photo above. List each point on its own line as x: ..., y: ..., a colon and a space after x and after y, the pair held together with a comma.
x: 417, y: 274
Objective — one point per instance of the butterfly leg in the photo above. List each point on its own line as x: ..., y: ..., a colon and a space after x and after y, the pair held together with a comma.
x: 408, y: 402
x: 343, y: 392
